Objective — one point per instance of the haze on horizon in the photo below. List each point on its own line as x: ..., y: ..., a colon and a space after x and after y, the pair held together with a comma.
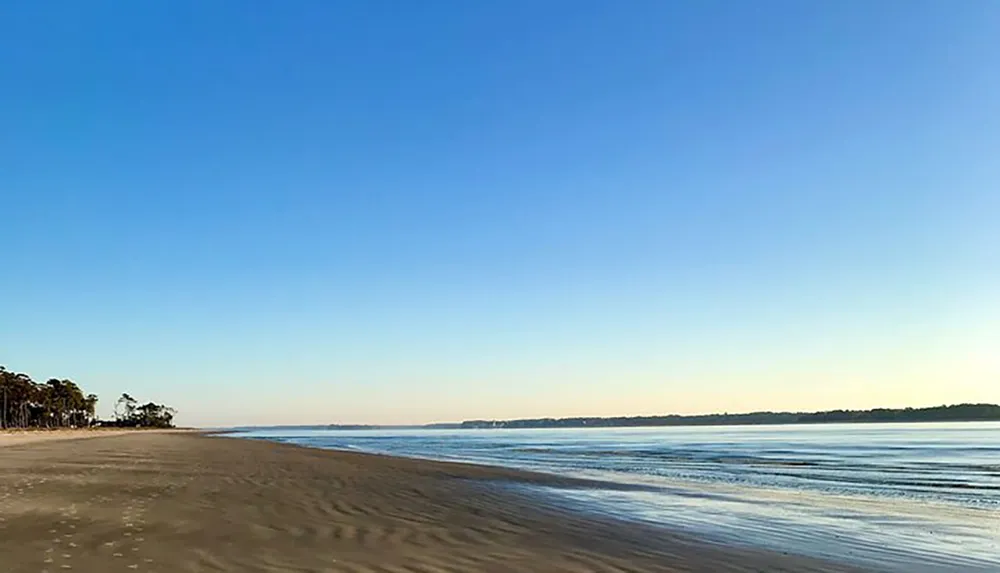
x: 316, y: 212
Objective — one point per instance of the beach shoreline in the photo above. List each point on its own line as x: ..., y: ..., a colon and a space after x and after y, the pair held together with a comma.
x: 160, y: 501
x: 16, y: 436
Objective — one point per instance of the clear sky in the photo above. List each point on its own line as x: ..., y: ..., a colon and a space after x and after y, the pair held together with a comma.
x: 389, y: 211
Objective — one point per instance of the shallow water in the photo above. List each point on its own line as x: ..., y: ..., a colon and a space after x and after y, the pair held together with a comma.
x: 893, y: 497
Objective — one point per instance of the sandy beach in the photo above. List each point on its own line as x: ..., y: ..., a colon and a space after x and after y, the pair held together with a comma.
x: 15, y: 437
x: 177, y: 502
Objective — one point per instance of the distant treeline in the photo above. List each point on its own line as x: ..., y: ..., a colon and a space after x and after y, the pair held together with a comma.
x: 61, y: 403
x: 443, y: 426
x: 956, y: 413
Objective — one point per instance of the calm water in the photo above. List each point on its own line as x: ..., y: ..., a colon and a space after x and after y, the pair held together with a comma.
x: 894, y: 497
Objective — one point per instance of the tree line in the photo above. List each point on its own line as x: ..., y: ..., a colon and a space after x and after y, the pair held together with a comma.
x: 61, y: 403
x: 954, y: 413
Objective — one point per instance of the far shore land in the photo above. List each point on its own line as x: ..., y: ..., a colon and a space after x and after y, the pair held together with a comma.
x: 126, y: 500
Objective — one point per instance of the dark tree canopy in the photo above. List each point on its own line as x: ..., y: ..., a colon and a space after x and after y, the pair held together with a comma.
x: 60, y: 403
x: 130, y: 414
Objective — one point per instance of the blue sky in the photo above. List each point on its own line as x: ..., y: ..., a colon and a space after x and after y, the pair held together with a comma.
x: 274, y: 212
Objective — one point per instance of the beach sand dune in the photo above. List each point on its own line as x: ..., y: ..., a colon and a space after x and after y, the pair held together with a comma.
x: 174, y: 503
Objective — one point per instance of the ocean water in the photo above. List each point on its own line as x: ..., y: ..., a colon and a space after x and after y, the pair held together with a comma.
x: 891, y: 497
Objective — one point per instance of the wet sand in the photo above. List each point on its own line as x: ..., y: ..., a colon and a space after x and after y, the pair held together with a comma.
x: 182, y: 502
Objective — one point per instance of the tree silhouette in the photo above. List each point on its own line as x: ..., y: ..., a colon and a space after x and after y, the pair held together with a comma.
x: 125, y: 407
x: 61, y: 403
